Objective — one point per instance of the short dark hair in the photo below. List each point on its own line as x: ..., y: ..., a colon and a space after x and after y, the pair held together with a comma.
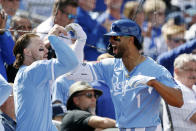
x: 61, y: 4
x: 22, y: 42
x: 137, y: 44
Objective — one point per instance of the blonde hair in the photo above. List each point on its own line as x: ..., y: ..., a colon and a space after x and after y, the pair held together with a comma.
x: 151, y: 6
x: 182, y: 59
x: 130, y: 9
x: 169, y: 29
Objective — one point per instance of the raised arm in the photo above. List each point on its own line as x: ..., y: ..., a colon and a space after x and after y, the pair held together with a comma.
x: 66, y: 58
x: 81, y: 37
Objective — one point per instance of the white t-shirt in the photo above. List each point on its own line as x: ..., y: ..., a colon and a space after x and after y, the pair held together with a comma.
x: 181, y: 116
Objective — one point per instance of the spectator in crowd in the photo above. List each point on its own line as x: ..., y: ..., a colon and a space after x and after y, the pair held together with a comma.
x: 18, y: 23
x: 173, y: 35
x: 136, y: 82
x: 6, y: 46
x: 7, y: 115
x: 130, y: 10
x: 167, y: 58
x: 32, y: 94
x: 64, y: 13
x: 10, y: 7
x: 184, y: 118
x: 81, y: 109
x: 153, y: 43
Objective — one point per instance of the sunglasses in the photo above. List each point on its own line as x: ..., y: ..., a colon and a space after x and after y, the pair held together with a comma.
x: 115, y: 38
x: 89, y: 95
x: 69, y: 15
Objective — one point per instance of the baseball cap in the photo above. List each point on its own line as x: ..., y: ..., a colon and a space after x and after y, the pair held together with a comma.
x: 125, y: 27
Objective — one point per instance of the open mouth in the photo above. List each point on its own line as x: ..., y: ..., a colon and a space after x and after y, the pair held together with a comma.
x: 114, y: 49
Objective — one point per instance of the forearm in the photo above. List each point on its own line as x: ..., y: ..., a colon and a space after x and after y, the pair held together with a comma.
x: 79, y: 49
x: 171, y: 95
x: 193, y: 118
x: 108, y: 123
x: 65, y: 56
x: 101, y: 122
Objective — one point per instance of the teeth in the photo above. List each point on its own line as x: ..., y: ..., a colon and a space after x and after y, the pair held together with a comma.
x: 113, y: 45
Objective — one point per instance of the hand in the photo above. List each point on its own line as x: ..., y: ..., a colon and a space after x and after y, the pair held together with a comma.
x: 77, y: 29
x: 140, y: 79
x: 3, y: 19
x: 57, y: 30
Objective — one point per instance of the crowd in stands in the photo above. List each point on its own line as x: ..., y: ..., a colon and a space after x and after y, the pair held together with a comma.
x: 38, y: 71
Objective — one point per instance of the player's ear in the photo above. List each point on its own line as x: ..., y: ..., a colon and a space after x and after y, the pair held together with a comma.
x: 27, y: 52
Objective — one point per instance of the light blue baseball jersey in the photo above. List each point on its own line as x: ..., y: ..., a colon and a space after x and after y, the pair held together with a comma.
x: 61, y: 89
x: 5, y: 90
x: 32, y: 88
x: 135, y: 106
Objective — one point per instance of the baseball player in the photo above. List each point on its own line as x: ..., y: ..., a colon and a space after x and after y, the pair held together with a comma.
x: 136, y: 82
x: 31, y: 86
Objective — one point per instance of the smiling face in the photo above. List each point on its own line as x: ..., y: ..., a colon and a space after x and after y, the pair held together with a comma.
x: 36, y: 50
x: 119, y: 45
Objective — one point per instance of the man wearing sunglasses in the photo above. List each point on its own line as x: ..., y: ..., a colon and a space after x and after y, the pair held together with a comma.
x: 136, y: 82
x: 64, y: 13
x: 81, y: 109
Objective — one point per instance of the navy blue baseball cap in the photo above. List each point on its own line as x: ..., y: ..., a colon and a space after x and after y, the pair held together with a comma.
x: 125, y: 27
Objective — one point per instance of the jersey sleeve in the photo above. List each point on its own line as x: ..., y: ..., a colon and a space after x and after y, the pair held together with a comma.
x: 166, y: 78
x: 103, y: 70
x: 5, y: 90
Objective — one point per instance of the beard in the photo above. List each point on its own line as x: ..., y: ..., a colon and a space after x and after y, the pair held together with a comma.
x: 119, y: 53
x: 91, y: 110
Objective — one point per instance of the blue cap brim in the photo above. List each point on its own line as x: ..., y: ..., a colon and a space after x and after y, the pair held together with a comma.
x: 113, y: 34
